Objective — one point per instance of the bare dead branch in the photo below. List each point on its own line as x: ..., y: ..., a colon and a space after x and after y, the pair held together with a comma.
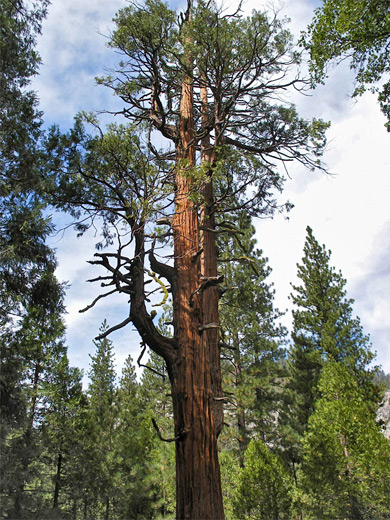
x: 96, y: 300
x: 147, y: 366
x: 208, y: 326
x: 161, y: 437
x: 208, y: 281
x: 115, y: 327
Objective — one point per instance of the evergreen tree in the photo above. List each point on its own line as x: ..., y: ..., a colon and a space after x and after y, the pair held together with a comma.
x: 138, y: 478
x: 323, y: 321
x: 264, y: 486
x: 324, y: 330
x: 31, y: 342
x: 36, y: 347
x: 208, y: 84
x: 23, y: 228
x: 102, y: 413
x: 65, y: 399
x: 102, y: 377
x: 20, y: 121
x: 155, y: 391
x: 346, y: 460
x: 251, y: 337
x: 230, y: 467
x: 83, y: 470
x: 25, y: 259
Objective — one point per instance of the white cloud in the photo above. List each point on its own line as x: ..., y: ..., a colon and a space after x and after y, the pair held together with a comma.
x: 73, y: 51
x: 346, y: 212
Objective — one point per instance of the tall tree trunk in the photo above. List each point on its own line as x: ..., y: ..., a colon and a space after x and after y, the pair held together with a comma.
x: 209, y: 268
x: 34, y: 399
x: 57, y: 480
x: 243, y: 437
x: 198, y: 483
x: 107, y: 512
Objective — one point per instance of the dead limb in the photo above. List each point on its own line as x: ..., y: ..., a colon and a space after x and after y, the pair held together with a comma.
x: 161, y: 437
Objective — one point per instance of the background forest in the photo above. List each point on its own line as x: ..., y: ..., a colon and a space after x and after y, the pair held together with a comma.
x: 301, y: 436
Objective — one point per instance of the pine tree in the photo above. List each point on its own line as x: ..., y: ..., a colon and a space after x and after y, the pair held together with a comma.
x: 20, y: 120
x: 31, y: 341
x: 251, y: 337
x: 155, y: 391
x: 138, y: 478
x: 207, y: 84
x: 36, y: 347
x: 324, y: 330
x: 83, y: 468
x: 103, y: 415
x: 23, y: 228
x: 264, y: 487
x: 346, y: 459
x: 25, y: 259
x: 323, y: 320
x: 65, y: 399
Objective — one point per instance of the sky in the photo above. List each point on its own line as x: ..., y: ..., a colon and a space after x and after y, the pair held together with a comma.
x: 348, y: 211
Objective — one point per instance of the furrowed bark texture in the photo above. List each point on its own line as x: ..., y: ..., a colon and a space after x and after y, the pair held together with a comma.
x: 209, y: 269
x: 198, y: 483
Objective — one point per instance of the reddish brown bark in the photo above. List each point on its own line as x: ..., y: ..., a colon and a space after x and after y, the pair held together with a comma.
x: 209, y: 268
x: 198, y: 483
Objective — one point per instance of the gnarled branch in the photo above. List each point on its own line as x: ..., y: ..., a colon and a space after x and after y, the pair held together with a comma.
x: 161, y: 437
x: 115, y: 327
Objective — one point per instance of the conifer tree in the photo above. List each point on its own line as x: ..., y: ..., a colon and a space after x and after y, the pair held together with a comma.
x: 207, y: 84
x: 23, y: 228
x: 37, y: 347
x: 360, y: 32
x: 102, y: 414
x: 346, y: 459
x: 24, y: 256
x: 83, y: 471
x: 155, y: 391
x: 134, y: 497
x: 32, y: 346
x: 264, y: 486
x: 20, y: 120
x: 252, y: 338
x: 64, y: 396
x: 323, y: 319
x: 324, y: 330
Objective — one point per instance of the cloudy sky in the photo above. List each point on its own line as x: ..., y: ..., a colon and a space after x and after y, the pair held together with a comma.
x: 348, y: 211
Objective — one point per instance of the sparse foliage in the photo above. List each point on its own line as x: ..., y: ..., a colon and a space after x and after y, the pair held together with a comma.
x: 358, y: 31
